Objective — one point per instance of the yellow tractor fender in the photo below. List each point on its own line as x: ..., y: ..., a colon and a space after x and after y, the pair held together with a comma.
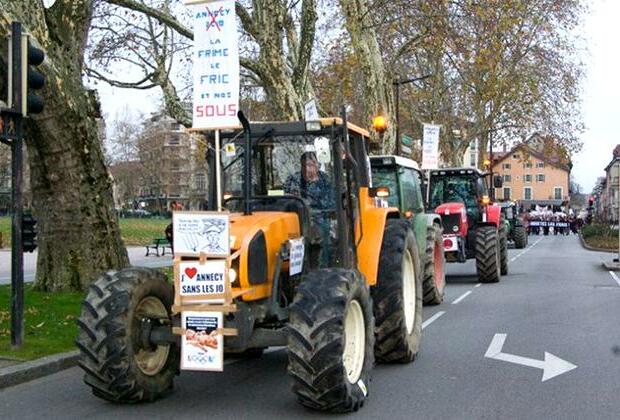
x: 369, y: 236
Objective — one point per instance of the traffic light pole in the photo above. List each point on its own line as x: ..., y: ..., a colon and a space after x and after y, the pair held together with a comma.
x: 16, y: 99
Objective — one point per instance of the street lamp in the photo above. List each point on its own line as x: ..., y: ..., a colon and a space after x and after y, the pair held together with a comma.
x: 397, y: 84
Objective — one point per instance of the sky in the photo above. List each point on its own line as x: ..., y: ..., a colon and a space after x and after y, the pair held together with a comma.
x: 600, y: 106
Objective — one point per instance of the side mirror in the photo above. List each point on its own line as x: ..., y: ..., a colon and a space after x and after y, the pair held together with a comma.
x: 498, y: 181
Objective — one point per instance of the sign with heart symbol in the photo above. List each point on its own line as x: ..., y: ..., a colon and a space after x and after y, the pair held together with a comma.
x: 206, y: 282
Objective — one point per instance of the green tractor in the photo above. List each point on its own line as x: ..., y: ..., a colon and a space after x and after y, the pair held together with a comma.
x: 516, y: 231
x: 403, y: 179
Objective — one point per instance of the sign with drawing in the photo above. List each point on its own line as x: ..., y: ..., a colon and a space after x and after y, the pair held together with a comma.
x: 202, y: 347
x: 201, y: 232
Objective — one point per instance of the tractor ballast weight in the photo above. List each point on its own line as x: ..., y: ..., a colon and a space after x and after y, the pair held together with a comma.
x: 284, y: 183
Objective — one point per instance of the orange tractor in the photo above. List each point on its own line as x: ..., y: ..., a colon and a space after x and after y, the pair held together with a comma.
x: 316, y: 265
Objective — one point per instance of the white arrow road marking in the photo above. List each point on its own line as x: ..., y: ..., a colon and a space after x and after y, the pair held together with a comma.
x: 615, y: 277
x: 432, y: 319
x: 552, y: 366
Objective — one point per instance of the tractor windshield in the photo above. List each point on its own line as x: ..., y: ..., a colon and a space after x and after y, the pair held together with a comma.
x: 386, y: 176
x: 289, y: 172
x: 465, y: 189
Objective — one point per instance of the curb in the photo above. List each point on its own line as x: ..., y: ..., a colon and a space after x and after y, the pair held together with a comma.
x: 595, y: 249
x: 27, y: 371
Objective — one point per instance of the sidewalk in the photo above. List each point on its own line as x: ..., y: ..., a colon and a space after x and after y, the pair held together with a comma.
x: 136, y: 257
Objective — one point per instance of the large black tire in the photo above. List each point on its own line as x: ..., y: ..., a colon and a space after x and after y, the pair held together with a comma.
x: 317, y: 340
x: 520, y: 237
x: 487, y: 254
x: 117, y: 366
x: 397, y: 338
x: 434, y: 265
x: 503, y: 250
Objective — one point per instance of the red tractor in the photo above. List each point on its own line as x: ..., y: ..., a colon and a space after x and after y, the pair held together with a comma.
x: 472, y: 225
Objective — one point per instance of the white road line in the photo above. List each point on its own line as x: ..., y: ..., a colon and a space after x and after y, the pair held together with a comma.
x: 478, y: 285
x: 615, y: 276
x: 526, y: 250
x: 460, y: 298
x: 432, y: 319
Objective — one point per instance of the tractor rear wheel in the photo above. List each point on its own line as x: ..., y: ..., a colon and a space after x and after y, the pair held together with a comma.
x: 118, y: 365
x: 434, y: 264
x: 520, y: 237
x: 503, y: 250
x: 397, y: 296
x: 487, y: 254
x: 331, y: 340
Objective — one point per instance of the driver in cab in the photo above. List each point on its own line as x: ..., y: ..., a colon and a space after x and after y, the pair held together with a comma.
x: 313, y: 186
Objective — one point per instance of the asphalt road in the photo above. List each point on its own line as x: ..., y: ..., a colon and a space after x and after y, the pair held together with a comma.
x: 556, y: 299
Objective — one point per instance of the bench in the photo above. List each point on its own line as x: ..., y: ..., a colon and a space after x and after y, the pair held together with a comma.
x: 159, y: 244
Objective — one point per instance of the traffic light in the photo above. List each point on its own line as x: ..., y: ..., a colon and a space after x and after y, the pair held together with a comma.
x: 29, y: 233
x: 32, y: 79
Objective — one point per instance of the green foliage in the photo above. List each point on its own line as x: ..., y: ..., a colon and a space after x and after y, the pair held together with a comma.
x: 600, y: 236
x: 135, y: 232
x: 49, y: 325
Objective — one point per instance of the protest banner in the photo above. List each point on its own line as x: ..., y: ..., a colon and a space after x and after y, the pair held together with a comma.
x: 430, y: 146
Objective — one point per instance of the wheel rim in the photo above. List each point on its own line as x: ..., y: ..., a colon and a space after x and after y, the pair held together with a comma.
x: 409, y: 292
x: 355, y: 341
x: 437, y: 259
x: 151, y: 361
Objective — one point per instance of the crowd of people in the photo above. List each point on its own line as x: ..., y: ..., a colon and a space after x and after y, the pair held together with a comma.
x: 547, y: 222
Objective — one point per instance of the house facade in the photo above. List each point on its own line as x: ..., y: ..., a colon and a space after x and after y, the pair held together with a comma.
x: 532, y: 177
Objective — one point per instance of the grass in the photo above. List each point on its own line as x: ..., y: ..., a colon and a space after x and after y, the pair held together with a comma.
x: 600, y: 236
x: 49, y: 323
x: 135, y: 232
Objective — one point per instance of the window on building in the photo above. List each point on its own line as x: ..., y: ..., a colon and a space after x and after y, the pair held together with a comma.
x: 516, y: 156
x: 540, y: 177
x: 507, y: 193
x: 175, y: 126
x: 557, y: 193
x: 505, y: 165
x: 527, y: 193
x: 540, y: 164
x: 527, y: 178
x: 174, y: 140
x: 507, y: 178
x: 201, y: 182
x: 527, y: 165
x: 472, y: 159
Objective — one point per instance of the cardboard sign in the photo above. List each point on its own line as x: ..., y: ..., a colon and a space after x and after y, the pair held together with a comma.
x: 202, y: 348
x: 207, y: 280
x: 296, y: 259
x: 201, y: 232
x: 215, y: 65
x: 310, y: 111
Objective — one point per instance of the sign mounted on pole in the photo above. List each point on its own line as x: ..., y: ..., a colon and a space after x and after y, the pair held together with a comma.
x: 216, y: 65
x: 430, y: 146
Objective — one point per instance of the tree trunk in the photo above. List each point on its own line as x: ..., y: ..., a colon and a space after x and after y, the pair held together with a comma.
x: 378, y: 91
x: 72, y: 190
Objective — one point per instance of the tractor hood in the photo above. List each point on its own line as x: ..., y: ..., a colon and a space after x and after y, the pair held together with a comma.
x: 451, y: 208
x: 258, y: 237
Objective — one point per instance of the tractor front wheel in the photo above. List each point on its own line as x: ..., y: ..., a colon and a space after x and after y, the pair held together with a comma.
x: 331, y: 340
x: 397, y: 296
x: 487, y: 254
x: 520, y: 237
x: 503, y: 250
x: 119, y: 366
x: 434, y: 264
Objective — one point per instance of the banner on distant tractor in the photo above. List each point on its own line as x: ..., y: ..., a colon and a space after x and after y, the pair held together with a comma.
x: 430, y: 146
x: 216, y: 65
x: 544, y: 223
